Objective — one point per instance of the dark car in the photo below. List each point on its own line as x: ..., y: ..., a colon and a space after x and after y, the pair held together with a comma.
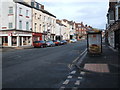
x: 50, y: 43
x: 57, y: 42
x: 39, y: 44
x: 62, y: 42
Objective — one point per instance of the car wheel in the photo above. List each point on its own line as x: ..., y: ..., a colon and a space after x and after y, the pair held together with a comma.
x: 41, y: 46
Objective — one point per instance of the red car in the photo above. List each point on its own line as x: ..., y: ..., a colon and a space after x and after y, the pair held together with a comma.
x: 39, y: 44
x: 57, y: 42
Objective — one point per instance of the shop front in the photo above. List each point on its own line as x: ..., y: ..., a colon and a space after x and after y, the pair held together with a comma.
x: 37, y: 36
x: 111, y: 39
x: 117, y: 39
x: 15, y: 38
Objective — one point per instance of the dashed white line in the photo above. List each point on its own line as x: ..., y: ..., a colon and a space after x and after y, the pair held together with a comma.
x: 80, y: 77
x: 62, y: 88
x: 66, y: 82
x: 74, y: 88
x: 77, y: 82
x: 73, y: 72
x: 82, y: 73
x: 69, y: 77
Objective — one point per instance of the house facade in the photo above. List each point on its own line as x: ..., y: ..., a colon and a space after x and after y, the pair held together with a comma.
x: 43, y: 23
x: 15, y: 28
x: 113, y: 25
x: 60, y: 31
x: 81, y: 30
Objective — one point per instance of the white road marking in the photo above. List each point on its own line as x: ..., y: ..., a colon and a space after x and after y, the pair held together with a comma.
x: 66, y: 82
x: 79, y: 56
x: 79, y: 77
x: 83, y: 52
x: 73, y: 72
x: 82, y: 73
x: 74, y: 88
x: 62, y: 88
x: 77, y: 82
x: 69, y: 77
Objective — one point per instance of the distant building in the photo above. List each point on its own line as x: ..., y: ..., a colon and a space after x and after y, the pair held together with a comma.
x: 43, y: 23
x: 80, y: 30
x: 70, y: 29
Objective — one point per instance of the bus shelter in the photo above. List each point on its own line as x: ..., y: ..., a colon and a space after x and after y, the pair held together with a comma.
x: 94, y: 42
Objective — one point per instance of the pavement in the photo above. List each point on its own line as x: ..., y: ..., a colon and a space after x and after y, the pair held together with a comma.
x: 95, y: 71
x: 5, y: 49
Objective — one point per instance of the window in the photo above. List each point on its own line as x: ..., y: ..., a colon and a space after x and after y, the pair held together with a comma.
x: 20, y: 10
x: 35, y: 15
x: 35, y: 26
x: 10, y: 10
x: 27, y: 12
x: 40, y: 17
x: 10, y: 25
x: 40, y: 27
x: 27, y: 25
x: 118, y: 12
x: 44, y: 18
x: 20, y: 24
x: 111, y: 15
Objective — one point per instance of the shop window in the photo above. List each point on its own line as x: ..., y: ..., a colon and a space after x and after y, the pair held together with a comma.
x: 29, y: 40
x: 14, y: 41
x: 24, y: 41
x: 5, y: 41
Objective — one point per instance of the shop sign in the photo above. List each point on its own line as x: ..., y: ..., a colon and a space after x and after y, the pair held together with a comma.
x: 10, y: 34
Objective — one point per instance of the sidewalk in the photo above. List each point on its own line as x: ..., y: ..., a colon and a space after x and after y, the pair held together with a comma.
x: 4, y: 49
x: 104, y: 70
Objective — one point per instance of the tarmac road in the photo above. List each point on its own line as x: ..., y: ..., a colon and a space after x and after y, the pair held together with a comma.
x: 39, y: 67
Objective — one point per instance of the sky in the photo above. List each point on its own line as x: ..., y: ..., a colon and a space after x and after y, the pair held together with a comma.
x: 90, y: 12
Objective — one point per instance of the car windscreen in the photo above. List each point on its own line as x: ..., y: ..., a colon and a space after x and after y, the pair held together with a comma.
x: 41, y: 41
x: 36, y: 41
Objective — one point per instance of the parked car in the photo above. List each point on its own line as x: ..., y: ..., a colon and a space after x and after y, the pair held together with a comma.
x: 41, y: 44
x: 57, y: 42
x: 50, y: 43
x: 62, y: 42
x: 73, y: 40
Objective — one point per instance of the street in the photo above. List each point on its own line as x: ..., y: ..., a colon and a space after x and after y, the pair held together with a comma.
x: 39, y: 67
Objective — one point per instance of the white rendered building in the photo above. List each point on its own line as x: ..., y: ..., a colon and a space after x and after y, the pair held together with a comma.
x: 15, y: 27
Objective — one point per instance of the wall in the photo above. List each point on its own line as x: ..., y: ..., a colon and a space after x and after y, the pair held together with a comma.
x: 5, y: 17
x: 23, y: 18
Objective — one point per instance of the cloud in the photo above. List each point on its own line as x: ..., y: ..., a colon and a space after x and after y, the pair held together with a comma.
x: 67, y: 1
x: 92, y: 12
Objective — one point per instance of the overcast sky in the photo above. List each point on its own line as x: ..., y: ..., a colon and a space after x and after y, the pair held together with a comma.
x: 91, y: 12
